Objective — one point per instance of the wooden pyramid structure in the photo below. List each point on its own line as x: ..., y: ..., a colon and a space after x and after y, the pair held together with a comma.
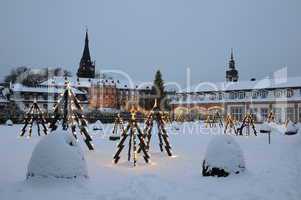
x: 247, y: 123
x: 118, y: 125
x: 214, y: 120
x: 34, y: 115
x: 69, y: 110
x: 157, y: 116
x: 132, y: 131
x: 230, y: 125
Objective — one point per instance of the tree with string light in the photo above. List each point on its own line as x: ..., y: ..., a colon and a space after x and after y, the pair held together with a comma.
x: 157, y: 116
x: 34, y: 115
x: 69, y: 110
x: 132, y: 131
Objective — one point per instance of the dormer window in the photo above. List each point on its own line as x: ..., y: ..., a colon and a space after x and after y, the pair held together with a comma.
x: 263, y: 93
x: 241, y: 95
x: 255, y: 94
x: 290, y: 93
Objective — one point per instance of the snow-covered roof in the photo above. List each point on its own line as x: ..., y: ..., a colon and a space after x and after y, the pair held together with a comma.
x: 88, y: 82
x: 17, y: 87
x: 267, y: 83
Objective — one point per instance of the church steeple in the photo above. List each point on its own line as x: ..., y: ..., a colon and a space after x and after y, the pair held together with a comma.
x: 232, y: 61
x: 232, y: 73
x: 86, y: 66
x: 86, y: 53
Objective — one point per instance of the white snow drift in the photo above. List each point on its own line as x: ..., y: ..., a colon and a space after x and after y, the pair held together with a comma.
x: 9, y: 122
x: 57, y: 155
x: 291, y: 128
x: 266, y: 127
x: 98, y: 125
x: 223, y: 153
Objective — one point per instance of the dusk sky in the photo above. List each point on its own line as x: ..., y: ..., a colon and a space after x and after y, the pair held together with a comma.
x: 140, y: 36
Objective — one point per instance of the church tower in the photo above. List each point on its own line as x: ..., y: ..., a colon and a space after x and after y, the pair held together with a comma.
x: 86, y: 66
x: 232, y: 73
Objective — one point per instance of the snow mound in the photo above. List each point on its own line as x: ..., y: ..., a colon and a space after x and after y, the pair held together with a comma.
x: 291, y: 128
x: 98, y: 125
x: 9, y: 122
x: 223, y: 157
x: 265, y: 127
x: 57, y: 155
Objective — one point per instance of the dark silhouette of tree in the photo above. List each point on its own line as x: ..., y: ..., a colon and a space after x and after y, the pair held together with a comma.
x: 158, y: 91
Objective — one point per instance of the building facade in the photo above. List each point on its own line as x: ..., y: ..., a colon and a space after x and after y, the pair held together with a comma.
x: 281, y: 96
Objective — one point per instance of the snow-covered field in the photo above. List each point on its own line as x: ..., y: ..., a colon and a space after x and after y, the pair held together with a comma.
x: 272, y: 171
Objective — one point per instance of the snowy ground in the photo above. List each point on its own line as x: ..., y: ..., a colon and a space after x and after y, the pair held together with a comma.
x: 273, y: 171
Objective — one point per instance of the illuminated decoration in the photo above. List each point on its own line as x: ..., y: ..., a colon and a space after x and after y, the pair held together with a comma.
x: 118, y: 125
x: 34, y: 115
x: 271, y: 117
x: 180, y: 113
x: 230, y: 125
x: 247, y: 122
x: 132, y: 128
x: 70, y: 111
x: 213, y: 120
x: 157, y: 115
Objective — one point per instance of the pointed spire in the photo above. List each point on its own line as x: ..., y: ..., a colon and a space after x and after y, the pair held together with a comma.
x: 232, y: 61
x: 86, y: 53
x: 86, y: 66
x: 232, y: 73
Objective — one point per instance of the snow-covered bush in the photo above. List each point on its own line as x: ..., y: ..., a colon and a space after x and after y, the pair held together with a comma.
x: 9, y: 122
x: 291, y: 129
x: 223, y: 157
x: 265, y: 128
x: 57, y: 155
x: 98, y: 125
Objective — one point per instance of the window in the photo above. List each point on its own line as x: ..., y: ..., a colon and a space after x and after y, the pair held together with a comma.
x: 279, y: 93
x: 255, y: 94
x: 241, y: 95
x: 264, y: 112
x: 278, y: 113
x: 233, y: 95
x: 237, y: 112
x: 220, y: 96
x: 212, y: 96
x: 264, y: 94
x: 290, y: 93
x: 290, y: 114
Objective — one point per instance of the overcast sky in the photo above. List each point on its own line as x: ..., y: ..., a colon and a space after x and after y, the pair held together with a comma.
x: 141, y: 36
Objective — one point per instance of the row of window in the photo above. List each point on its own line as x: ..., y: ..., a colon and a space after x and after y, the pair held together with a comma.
x: 256, y: 94
x: 261, y: 114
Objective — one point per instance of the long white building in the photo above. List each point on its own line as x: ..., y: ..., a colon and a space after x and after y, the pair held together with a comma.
x: 279, y: 95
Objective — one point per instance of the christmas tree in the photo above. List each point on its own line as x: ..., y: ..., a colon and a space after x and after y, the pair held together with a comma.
x: 230, y: 125
x: 247, y: 123
x: 34, y: 115
x: 70, y: 111
x: 118, y: 125
x: 158, y: 91
x: 130, y: 131
x: 156, y: 115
